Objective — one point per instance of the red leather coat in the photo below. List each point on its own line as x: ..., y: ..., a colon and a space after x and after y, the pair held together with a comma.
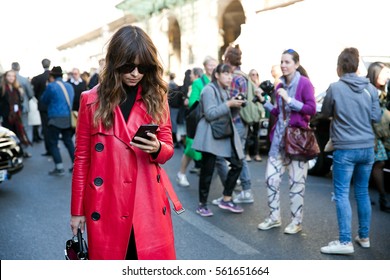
x: 117, y: 186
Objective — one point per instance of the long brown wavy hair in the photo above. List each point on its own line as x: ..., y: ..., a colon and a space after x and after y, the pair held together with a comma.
x: 4, y: 83
x: 127, y: 44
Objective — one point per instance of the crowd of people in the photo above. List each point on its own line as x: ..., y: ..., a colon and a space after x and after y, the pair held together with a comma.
x: 40, y: 103
x: 359, y: 158
x: 128, y: 215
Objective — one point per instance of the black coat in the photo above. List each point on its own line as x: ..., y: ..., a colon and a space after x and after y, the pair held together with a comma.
x: 39, y: 83
x: 78, y: 89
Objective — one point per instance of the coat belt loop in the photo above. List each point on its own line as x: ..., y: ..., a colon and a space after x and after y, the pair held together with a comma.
x: 177, y: 206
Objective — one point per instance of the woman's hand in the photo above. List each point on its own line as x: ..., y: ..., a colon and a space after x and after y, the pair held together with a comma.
x: 149, y: 146
x: 77, y: 222
x: 235, y: 103
x: 283, y: 94
x: 258, y: 92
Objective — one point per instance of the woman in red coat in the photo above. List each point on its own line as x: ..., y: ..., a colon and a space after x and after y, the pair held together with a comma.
x: 119, y: 189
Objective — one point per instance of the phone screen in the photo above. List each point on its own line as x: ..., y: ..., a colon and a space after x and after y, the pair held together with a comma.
x: 143, y: 130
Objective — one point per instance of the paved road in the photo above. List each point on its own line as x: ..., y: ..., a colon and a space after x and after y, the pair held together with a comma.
x: 34, y: 221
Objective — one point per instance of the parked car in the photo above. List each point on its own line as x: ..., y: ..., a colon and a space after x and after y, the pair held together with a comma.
x: 321, y: 165
x: 11, y: 154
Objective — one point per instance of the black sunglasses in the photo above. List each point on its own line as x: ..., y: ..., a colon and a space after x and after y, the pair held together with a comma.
x: 128, y: 68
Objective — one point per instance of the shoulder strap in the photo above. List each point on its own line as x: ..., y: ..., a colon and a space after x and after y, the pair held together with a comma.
x: 178, y: 207
x: 217, y: 92
x: 219, y: 95
x: 368, y: 92
x: 65, y: 94
x: 241, y: 73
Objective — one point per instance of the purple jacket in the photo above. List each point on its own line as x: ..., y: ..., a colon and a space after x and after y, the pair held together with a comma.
x: 304, y: 98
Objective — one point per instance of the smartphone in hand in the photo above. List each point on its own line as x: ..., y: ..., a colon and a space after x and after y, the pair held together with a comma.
x: 143, y: 130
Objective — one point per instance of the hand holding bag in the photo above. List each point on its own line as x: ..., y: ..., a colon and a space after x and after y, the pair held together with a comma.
x: 300, y: 142
x: 76, y: 248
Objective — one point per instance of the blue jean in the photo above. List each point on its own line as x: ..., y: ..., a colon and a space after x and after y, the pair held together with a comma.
x: 54, y: 135
x: 174, y: 113
x: 245, y: 176
x: 355, y: 164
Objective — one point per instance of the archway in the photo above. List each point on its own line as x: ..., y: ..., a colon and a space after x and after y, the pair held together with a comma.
x: 231, y: 21
x: 174, y: 38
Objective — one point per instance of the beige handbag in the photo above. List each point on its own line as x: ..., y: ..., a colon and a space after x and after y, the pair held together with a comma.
x: 33, y: 116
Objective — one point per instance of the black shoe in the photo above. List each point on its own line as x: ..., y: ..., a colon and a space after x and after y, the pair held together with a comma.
x: 46, y: 154
x: 57, y: 172
x: 383, y: 205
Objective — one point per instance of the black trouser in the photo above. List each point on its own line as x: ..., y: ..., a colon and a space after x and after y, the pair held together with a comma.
x: 45, y: 129
x: 253, y: 134
x: 132, y: 248
x: 206, y: 175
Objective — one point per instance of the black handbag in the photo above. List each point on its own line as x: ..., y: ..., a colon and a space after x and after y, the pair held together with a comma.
x: 193, y: 115
x: 222, y: 127
x: 76, y: 248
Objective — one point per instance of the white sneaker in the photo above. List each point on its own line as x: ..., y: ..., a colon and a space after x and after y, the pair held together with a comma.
x: 181, y: 179
x: 292, y: 228
x: 363, y: 242
x: 269, y: 223
x: 217, y: 200
x: 335, y: 247
x: 244, y: 197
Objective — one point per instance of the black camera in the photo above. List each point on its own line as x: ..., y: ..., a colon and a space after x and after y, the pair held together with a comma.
x: 387, y: 105
x: 240, y: 96
x: 268, y: 89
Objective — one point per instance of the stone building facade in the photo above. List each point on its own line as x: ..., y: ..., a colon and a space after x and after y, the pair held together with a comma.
x: 185, y: 31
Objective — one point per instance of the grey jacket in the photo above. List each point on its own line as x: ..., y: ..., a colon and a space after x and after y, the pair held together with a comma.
x: 28, y: 91
x: 212, y: 108
x: 353, y: 104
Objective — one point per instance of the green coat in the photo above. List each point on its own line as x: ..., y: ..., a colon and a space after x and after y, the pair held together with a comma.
x: 196, y: 89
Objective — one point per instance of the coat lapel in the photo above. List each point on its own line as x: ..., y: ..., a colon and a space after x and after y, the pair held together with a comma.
x: 122, y: 130
x: 138, y: 115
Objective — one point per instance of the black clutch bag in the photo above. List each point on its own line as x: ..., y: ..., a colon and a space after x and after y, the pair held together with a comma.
x: 76, y: 248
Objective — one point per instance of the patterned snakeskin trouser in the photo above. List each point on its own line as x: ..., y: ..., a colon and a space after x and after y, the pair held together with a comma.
x: 297, y: 174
